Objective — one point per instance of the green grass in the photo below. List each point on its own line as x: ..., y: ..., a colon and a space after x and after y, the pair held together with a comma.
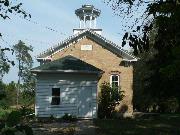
x: 161, y: 125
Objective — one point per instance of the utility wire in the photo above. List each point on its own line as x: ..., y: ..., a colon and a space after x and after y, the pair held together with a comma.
x: 46, y: 27
x: 36, y: 23
x: 27, y: 39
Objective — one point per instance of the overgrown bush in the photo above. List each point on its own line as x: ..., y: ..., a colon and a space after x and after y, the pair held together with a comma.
x: 3, y: 104
x: 8, y: 95
x: 13, y: 118
x: 69, y: 118
x: 2, y: 93
x: 170, y: 105
x: 27, y: 112
x: 15, y: 123
x: 27, y: 98
x: 8, y: 131
x: 108, y: 99
x: 4, y: 113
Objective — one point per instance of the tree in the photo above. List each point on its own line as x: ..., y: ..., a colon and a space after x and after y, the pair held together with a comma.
x: 23, y: 56
x: 142, y: 100
x: 161, y: 17
x: 2, y: 90
x: 11, y: 90
x: 25, y: 62
x: 8, y: 7
x: 4, y: 64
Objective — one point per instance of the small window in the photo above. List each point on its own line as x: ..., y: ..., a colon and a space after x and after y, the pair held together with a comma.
x: 55, y: 96
x: 114, y: 81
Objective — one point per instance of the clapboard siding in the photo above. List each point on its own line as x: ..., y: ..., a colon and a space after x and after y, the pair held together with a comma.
x: 57, y: 112
x: 46, y: 85
x: 43, y: 94
x: 70, y: 88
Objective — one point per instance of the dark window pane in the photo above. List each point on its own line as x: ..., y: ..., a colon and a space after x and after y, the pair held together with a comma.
x: 55, y: 91
x: 114, y: 84
x: 55, y: 101
x: 114, y: 78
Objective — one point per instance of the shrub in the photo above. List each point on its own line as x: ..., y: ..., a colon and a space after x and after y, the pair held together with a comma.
x: 13, y: 130
x: 3, y: 104
x: 2, y: 94
x: 13, y: 123
x: 25, y: 128
x: 69, y: 117
x: 51, y: 117
x: 108, y: 99
x: 170, y: 105
x: 13, y: 118
x: 26, y: 112
x: 27, y: 98
x: 8, y: 131
x: 4, y: 114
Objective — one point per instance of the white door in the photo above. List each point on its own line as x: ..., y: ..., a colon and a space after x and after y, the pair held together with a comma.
x: 85, y: 102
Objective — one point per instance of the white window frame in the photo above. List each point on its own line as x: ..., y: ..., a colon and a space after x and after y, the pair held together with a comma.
x: 114, y: 81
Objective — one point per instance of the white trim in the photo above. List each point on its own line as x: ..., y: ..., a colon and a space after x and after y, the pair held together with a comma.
x: 44, y: 59
x: 133, y: 60
x: 115, y: 81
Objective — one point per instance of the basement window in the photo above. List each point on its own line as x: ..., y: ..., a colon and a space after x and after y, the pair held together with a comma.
x: 55, y: 96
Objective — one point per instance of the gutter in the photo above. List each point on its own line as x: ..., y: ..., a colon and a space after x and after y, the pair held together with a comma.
x: 132, y: 60
x: 68, y: 71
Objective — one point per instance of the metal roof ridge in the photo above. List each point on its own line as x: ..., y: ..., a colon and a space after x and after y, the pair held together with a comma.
x: 113, y: 44
x: 55, y: 47
x: 61, y: 42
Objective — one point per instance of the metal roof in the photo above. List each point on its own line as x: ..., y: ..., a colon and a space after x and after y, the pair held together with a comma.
x: 67, y: 64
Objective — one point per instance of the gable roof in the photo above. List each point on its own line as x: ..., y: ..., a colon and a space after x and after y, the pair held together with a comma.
x: 92, y: 35
x: 67, y: 64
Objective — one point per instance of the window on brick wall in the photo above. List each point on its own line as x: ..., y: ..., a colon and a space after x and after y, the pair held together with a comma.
x: 55, y: 96
x: 115, y: 81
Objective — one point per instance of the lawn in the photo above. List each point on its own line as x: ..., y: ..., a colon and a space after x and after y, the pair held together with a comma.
x: 156, y: 125
x: 161, y: 125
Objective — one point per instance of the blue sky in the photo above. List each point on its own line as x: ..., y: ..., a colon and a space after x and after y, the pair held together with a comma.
x: 58, y: 15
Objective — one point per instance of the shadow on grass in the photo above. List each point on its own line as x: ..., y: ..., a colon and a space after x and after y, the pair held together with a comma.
x: 162, y: 125
x: 80, y: 127
x: 53, y: 128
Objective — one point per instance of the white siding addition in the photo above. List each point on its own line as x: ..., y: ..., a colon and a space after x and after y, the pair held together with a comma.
x: 57, y: 94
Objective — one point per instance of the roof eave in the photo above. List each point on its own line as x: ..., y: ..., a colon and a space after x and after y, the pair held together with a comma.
x: 67, y: 71
x: 132, y: 60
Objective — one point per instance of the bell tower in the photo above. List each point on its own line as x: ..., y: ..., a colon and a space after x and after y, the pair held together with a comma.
x: 87, y: 15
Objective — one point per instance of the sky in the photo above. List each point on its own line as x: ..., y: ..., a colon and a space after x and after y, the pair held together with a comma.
x: 58, y: 15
